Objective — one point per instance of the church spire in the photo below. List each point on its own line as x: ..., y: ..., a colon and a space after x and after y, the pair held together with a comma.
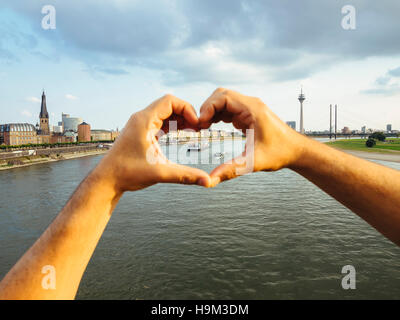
x: 44, y: 128
x: 43, y: 109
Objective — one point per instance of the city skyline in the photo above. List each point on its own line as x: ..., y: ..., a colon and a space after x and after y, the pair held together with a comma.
x: 104, y: 79
x: 291, y: 123
x: 54, y: 127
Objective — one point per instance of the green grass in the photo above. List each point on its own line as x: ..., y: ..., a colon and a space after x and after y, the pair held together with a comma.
x: 390, y: 146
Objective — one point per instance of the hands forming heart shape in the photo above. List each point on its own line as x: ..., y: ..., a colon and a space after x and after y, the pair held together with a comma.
x: 370, y: 190
x: 273, y: 145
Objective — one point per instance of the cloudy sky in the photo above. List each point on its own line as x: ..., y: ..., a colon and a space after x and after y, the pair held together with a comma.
x: 109, y: 58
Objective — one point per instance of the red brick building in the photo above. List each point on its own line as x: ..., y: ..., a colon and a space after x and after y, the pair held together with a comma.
x: 84, y: 132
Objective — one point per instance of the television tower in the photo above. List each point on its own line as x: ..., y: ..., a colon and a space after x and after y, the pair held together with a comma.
x: 301, y: 99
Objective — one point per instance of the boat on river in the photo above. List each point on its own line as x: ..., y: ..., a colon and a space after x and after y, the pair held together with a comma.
x: 219, y: 155
x: 197, y: 147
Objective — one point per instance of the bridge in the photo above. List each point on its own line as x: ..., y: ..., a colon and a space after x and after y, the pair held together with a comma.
x: 338, y: 135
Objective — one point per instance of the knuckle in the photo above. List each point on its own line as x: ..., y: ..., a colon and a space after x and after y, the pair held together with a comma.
x: 168, y: 97
x: 137, y: 117
x: 133, y: 116
x: 221, y: 90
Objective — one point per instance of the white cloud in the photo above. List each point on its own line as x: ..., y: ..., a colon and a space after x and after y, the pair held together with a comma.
x: 71, y: 97
x: 26, y: 113
x: 33, y: 99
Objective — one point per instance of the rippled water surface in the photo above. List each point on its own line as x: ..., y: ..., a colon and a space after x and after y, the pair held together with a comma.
x: 261, y: 236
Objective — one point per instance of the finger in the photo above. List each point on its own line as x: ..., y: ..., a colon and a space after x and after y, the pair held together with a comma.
x: 176, y: 122
x: 176, y: 173
x: 223, y: 116
x: 228, y: 171
x: 227, y: 117
x: 221, y: 101
x: 169, y: 105
x: 215, y: 103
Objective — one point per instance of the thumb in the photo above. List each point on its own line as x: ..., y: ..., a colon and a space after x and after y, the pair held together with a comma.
x: 230, y: 170
x: 177, y: 173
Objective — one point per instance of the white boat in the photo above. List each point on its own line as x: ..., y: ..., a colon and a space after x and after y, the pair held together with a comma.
x: 219, y: 155
x: 197, y: 146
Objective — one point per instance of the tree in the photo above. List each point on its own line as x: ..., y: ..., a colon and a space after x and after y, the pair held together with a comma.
x: 370, y: 142
x: 378, y: 136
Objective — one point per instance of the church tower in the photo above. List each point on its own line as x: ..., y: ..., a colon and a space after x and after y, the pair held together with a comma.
x: 44, y: 128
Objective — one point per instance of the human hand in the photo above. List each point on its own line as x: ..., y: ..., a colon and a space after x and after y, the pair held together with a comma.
x: 275, y: 145
x: 136, y: 160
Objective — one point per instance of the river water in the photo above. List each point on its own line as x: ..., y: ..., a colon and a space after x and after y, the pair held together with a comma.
x: 260, y: 236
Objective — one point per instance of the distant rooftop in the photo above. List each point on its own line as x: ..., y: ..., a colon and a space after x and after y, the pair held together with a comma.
x: 15, y: 127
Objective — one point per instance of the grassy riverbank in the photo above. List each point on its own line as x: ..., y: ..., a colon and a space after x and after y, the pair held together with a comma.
x: 390, y: 146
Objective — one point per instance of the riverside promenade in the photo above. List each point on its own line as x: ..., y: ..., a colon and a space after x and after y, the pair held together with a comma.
x: 27, y: 157
x: 392, y: 157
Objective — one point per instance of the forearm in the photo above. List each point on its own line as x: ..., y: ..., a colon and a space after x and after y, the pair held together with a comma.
x: 67, y: 244
x: 370, y: 190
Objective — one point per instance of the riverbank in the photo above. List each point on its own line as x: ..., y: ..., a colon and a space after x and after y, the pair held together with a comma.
x: 390, y: 146
x: 391, y: 157
x: 345, y: 146
x: 383, y: 151
x: 32, y: 160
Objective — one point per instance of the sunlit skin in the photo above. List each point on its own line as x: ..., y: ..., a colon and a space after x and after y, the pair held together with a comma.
x: 69, y: 242
x: 370, y: 190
